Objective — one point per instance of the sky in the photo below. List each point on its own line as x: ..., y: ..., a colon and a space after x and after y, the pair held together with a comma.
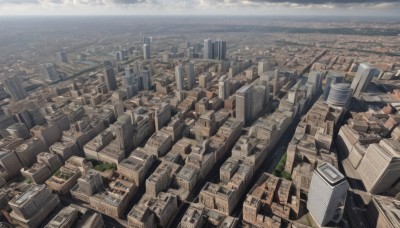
x: 202, y: 7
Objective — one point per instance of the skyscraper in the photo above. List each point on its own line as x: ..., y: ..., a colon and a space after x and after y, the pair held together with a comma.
x: 220, y: 50
x: 263, y: 66
x: 224, y: 87
x: 14, y: 87
x: 179, y: 77
x: 146, y: 40
x: 275, y: 89
x: 327, y: 194
x: 362, y: 79
x: 144, y: 80
x: 250, y: 101
x: 127, y: 79
x: 190, y: 75
x: 109, y: 76
x: 146, y: 51
x: 208, y: 49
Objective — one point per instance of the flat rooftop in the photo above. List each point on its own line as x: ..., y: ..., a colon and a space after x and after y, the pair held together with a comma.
x: 330, y: 173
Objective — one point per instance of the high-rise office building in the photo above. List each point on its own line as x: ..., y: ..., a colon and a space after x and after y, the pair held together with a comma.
x: 179, y: 70
x: 127, y: 79
x: 380, y: 167
x: 146, y: 40
x: 250, y: 101
x: 123, y: 130
x: 144, y: 80
x: 275, y: 86
x: 263, y: 67
x: 315, y: 77
x: 224, y: 85
x: 208, y: 49
x: 146, y: 51
x: 190, y: 75
x: 219, y: 50
x: 362, y: 79
x: 327, y: 194
x: 14, y: 87
x: 109, y: 76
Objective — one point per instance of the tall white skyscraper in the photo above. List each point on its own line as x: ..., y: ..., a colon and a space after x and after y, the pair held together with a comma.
x: 146, y: 51
x: 190, y: 75
x: 179, y: 70
x: 327, y: 194
x: 208, y: 49
x: 362, y: 79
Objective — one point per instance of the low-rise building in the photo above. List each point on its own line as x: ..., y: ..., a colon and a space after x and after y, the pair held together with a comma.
x: 135, y: 168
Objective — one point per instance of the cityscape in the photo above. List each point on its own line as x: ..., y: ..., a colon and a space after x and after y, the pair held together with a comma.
x: 170, y: 120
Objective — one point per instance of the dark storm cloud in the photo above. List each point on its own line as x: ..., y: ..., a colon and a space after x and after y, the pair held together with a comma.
x: 306, y: 2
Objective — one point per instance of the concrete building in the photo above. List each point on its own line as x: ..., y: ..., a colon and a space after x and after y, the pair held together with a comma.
x: 49, y: 134
x: 51, y: 160
x: 115, y: 199
x: 164, y: 207
x: 382, y: 212
x: 218, y: 197
x: 208, y: 49
x: 162, y: 116
x: 277, y: 195
x: 327, y: 194
x: 159, y: 144
x: 187, y: 178
x: 38, y: 173
x: 190, y: 74
x: 109, y: 77
x: 263, y: 66
x: 135, y: 168
x: 33, y: 206
x: 339, y: 94
x: 379, y: 168
x: 123, y: 130
x: 9, y: 164
x: 362, y: 79
x: 205, y: 126
x: 13, y: 86
x: 64, y: 219
x: 66, y: 178
x: 193, y: 217
x: 146, y: 51
x: 250, y: 101
x: 219, y: 50
x: 141, y: 217
x: 87, y: 186
x: 224, y: 87
x: 179, y: 77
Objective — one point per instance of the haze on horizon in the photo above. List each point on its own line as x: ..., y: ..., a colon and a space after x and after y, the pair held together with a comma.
x: 374, y: 8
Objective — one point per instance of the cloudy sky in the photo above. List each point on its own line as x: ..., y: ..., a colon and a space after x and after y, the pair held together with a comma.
x: 201, y: 7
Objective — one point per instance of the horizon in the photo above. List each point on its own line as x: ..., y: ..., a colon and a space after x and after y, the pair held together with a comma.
x: 339, y: 8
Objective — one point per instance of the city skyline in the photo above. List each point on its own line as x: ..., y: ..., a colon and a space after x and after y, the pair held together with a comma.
x: 386, y: 8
